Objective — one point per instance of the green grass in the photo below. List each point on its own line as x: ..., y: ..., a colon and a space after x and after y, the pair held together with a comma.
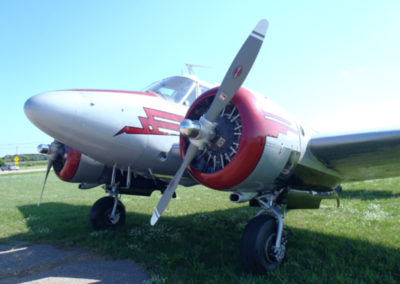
x: 197, y: 239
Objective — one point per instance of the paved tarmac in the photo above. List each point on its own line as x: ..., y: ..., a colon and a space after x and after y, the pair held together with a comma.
x: 22, y: 171
x: 46, y: 264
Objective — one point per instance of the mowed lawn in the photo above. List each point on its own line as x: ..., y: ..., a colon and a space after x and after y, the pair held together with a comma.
x: 197, y: 239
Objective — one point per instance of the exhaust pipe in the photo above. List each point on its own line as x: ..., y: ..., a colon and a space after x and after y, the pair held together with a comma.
x: 239, y: 197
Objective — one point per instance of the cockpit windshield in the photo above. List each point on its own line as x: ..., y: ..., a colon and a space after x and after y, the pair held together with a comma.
x: 173, y: 88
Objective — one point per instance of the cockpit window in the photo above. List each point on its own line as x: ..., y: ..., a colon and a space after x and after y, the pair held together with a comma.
x: 166, y: 92
x: 203, y: 89
x: 172, y: 88
x: 192, y: 96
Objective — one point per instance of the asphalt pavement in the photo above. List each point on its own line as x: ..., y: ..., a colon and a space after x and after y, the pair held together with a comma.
x: 21, y: 263
x: 22, y: 171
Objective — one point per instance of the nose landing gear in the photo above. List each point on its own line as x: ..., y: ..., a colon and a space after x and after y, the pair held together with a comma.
x: 263, y: 246
x: 101, y: 216
x: 108, y: 212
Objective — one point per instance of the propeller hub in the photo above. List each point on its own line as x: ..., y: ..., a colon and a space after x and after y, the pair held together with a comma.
x: 190, y: 128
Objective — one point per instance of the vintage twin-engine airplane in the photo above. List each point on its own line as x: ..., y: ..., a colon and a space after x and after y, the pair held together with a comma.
x: 231, y: 139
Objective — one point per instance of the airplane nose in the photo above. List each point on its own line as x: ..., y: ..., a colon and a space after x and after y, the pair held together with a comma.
x: 53, y: 111
x: 34, y: 106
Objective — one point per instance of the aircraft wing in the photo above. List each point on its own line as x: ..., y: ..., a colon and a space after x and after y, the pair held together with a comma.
x: 360, y: 156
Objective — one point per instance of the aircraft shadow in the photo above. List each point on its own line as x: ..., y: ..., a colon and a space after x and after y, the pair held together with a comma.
x: 205, y: 246
x: 368, y: 194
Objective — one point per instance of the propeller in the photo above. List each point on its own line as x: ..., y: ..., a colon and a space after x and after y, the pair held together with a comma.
x: 202, y: 131
x: 52, y: 151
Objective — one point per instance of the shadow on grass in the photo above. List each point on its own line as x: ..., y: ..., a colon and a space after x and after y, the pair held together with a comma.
x: 205, y: 247
x: 368, y: 194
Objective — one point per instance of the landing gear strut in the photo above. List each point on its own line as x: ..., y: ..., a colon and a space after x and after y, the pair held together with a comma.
x: 263, y: 245
x: 108, y: 212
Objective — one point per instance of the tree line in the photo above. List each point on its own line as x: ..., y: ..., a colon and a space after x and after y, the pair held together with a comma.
x: 23, y: 158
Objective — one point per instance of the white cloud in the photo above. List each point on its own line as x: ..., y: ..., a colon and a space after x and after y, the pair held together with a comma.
x: 355, y: 71
x: 360, y: 117
x: 345, y: 73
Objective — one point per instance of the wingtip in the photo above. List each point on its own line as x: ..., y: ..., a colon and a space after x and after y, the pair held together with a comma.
x: 262, y: 27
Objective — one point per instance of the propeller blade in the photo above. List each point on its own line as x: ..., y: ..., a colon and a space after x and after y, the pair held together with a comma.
x: 238, y: 70
x: 231, y: 83
x: 49, y: 164
x: 169, y: 192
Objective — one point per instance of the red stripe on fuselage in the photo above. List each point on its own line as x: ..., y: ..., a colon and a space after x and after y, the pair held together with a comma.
x: 151, y: 125
x: 115, y: 91
x: 275, y: 127
x: 278, y: 118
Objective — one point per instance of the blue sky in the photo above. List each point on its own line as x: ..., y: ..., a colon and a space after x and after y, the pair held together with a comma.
x: 335, y: 65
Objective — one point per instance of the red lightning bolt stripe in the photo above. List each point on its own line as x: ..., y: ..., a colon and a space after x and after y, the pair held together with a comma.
x: 277, y: 125
x: 152, y: 126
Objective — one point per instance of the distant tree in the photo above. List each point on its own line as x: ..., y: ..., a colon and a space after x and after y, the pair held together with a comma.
x: 26, y: 158
x: 2, y: 161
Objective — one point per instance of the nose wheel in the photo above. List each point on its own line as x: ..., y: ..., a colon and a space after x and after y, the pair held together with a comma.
x: 263, y: 244
x: 102, y: 217
x: 257, y: 247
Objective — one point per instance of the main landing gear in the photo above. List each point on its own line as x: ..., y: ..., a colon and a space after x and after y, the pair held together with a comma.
x: 263, y: 245
x: 104, y: 216
x: 108, y: 212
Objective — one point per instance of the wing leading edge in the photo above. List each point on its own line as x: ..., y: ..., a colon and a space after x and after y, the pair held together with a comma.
x: 360, y: 156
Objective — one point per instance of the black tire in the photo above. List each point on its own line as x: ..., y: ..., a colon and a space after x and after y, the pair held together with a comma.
x: 256, y: 244
x: 101, y: 211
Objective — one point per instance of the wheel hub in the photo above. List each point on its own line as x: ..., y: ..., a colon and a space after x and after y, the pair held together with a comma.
x: 114, y: 219
x: 272, y: 253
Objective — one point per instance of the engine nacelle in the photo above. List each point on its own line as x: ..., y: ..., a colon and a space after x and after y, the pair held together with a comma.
x: 255, y: 148
x: 73, y: 166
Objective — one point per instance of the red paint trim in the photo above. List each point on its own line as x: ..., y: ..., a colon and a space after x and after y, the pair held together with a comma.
x: 252, y: 143
x: 277, y: 118
x: 275, y: 128
x: 151, y: 125
x: 71, y: 165
x: 115, y: 91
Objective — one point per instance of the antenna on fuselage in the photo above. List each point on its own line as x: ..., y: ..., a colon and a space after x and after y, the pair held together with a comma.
x: 190, y: 66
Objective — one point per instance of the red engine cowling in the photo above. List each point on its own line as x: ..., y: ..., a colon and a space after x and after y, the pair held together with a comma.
x: 238, y: 144
x: 73, y: 166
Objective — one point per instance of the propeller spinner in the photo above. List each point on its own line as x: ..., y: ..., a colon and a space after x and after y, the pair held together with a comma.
x: 202, y: 131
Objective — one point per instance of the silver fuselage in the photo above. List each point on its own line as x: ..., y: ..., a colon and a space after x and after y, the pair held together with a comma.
x: 140, y: 130
x: 89, y: 121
